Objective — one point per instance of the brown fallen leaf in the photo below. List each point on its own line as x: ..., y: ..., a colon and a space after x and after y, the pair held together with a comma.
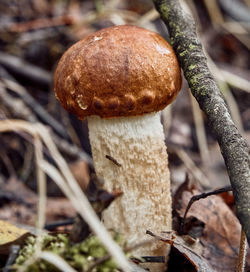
x: 9, y: 235
x: 188, y: 247
x: 221, y: 233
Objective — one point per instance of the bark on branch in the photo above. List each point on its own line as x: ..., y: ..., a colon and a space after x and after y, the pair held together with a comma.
x: 234, y: 148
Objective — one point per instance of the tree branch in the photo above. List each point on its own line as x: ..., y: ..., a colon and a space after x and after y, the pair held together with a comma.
x: 234, y: 148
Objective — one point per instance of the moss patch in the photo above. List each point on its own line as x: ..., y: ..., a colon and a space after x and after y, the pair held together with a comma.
x: 80, y: 256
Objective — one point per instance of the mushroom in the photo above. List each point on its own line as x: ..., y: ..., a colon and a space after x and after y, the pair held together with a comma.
x: 121, y: 78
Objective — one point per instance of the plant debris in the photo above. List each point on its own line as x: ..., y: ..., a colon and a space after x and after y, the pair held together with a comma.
x: 81, y: 256
x: 188, y: 250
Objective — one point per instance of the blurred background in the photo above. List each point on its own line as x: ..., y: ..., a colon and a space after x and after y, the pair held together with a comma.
x: 33, y: 36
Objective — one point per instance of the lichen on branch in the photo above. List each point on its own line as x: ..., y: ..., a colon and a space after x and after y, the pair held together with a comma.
x: 234, y: 148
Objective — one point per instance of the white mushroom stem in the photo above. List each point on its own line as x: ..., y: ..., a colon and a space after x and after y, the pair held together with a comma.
x: 140, y: 171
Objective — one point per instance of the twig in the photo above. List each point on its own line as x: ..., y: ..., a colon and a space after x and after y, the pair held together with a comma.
x: 24, y: 69
x: 18, y: 108
x: 66, y: 222
x: 170, y: 237
x: 37, y: 108
x: 201, y: 196
x: 41, y: 23
x: 7, y: 81
x: 242, y: 253
x: 16, y: 105
x: 234, y: 148
x: 191, y: 167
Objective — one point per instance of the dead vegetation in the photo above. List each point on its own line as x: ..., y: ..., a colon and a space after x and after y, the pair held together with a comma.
x: 45, y: 154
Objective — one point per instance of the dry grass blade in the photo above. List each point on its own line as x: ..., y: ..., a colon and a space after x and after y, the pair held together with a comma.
x: 191, y: 167
x: 79, y: 200
x: 41, y: 179
x: 214, y: 12
x: 147, y: 18
x: 50, y: 257
x: 234, y: 109
x: 38, y: 109
x: 236, y: 81
x: 200, y: 131
x: 56, y: 261
x: 86, y: 210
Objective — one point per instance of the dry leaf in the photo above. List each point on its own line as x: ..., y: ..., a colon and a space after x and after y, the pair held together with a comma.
x: 221, y: 234
x: 9, y: 235
x: 187, y: 247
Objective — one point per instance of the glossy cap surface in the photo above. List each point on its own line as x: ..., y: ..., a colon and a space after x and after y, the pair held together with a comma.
x: 118, y: 71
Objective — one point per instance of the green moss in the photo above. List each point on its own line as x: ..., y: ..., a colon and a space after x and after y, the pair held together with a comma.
x: 191, y: 67
x: 80, y: 256
x: 192, y: 46
x: 195, y: 79
x: 183, y: 53
x: 165, y: 10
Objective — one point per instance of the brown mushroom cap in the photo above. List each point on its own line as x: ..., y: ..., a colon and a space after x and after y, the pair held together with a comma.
x: 118, y: 71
